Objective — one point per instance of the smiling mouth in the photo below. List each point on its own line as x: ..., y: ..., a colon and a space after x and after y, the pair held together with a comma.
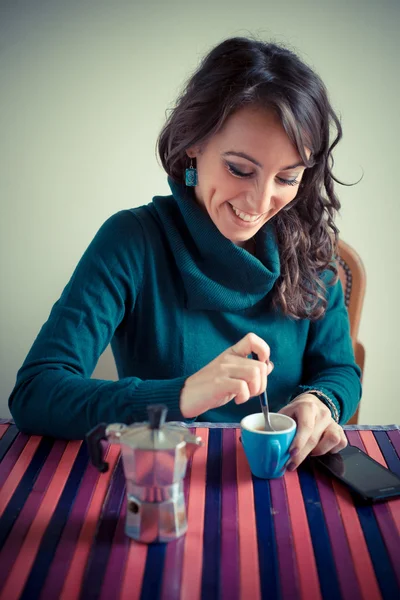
x: 245, y: 216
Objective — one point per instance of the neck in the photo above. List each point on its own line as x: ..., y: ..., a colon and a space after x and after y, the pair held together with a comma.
x: 249, y: 245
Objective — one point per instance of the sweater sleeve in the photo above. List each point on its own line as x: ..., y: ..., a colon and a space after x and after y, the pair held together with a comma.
x: 329, y: 365
x: 54, y: 394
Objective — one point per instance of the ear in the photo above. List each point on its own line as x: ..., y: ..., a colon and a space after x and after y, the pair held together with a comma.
x: 191, y: 152
x: 194, y: 151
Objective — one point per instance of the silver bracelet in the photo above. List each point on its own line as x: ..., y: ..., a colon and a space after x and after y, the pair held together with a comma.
x: 331, y: 405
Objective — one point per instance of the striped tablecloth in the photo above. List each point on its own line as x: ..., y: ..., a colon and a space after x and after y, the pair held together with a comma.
x: 302, y: 536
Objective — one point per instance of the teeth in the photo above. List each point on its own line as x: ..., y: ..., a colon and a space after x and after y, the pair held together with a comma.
x: 244, y: 216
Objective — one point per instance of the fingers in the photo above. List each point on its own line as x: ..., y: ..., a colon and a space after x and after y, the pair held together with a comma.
x: 332, y: 440
x: 254, y: 372
x: 252, y: 343
x: 313, y: 419
x: 248, y: 375
x: 231, y: 375
x: 230, y: 388
x: 259, y: 349
x: 220, y: 382
x: 316, y: 440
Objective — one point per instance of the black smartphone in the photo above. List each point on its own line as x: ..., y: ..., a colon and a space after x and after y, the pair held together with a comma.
x: 370, y: 480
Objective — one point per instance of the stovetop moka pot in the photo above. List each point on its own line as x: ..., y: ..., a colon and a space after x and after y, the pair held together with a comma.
x: 155, y: 455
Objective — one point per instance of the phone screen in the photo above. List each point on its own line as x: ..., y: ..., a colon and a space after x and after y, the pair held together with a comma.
x: 361, y: 472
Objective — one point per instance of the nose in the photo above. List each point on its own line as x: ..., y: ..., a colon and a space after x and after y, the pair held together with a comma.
x: 265, y: 200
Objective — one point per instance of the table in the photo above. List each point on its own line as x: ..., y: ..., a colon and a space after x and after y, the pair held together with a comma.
x: 301, y: 536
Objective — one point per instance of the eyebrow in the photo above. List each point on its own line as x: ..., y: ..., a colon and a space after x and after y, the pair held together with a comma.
x: 253, y: 160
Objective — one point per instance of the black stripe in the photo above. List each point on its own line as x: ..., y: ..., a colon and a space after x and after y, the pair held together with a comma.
x: 211, y: 577
x: 326, y: 568
x: 267, y: 548
x: 380, y: 559
x: 7, y: 440
x: 388, y: 451
x: 153, y: 572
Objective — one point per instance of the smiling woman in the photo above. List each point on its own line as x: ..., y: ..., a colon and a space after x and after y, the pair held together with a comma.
x: 238, y: 260
x: 257, y: 121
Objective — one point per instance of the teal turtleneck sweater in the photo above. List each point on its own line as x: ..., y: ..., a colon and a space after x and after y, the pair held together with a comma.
x: 171, y: 293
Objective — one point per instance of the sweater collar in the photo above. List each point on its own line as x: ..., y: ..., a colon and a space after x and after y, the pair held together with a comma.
x: 217, y: 274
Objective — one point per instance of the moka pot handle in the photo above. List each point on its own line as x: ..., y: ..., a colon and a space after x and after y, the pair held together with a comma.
x: 93, y: 440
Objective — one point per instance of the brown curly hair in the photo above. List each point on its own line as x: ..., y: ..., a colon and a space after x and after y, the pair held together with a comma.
x: 242, y: 71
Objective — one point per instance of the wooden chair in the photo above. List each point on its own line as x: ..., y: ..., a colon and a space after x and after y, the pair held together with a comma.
x: 353, y: 277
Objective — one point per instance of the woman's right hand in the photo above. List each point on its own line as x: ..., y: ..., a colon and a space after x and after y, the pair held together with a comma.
x: 230, y: 375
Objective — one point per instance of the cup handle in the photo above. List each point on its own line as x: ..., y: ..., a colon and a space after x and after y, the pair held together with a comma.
x: 275, y: 449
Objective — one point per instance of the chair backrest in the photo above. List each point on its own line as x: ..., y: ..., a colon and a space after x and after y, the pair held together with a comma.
x: 353, y: 278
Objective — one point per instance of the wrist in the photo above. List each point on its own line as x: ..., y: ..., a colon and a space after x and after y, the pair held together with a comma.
x: 324, y: 398
x: 184, y: 406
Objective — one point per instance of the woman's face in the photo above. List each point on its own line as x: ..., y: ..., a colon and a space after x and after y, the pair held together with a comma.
x: 247, y: 173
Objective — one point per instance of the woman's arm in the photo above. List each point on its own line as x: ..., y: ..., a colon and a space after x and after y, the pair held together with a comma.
x: 331, y: 388
x: 328, y: 365
x: 54, y: 394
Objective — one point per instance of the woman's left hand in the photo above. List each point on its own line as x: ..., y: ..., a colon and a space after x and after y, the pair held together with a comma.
x: 317, y: 432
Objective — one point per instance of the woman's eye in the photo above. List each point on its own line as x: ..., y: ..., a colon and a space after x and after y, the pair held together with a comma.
x: 236, y: 172
x: 288, y: 181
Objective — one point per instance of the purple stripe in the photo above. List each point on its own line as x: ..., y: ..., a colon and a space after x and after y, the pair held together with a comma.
x: 395, y: 439
x: 340, y: 547
x: 172, y: 574
x: 354, y: 439
x: 116, y: 564
x: 17, y: 535
x: 383, y: 516
x: 12, y: 456
x: 284, y: 540
x: 390, y: 536
x: 229, y: 518
x: 66, y: 546
x: 173, y: 563
x: 101, y: 547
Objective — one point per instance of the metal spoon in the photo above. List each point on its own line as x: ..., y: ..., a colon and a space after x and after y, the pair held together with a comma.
x: 264, y: 404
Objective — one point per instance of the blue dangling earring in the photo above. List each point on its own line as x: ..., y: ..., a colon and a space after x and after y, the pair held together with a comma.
x: 191, y: 175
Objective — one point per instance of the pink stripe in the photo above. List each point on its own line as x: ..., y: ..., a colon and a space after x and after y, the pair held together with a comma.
x: 3, y: 429
x: 17, y: 472
x: 371, y: 447
x: 307, y: 569
x: 26, y: 557
x: 15, y: 540
x: 134, y: 571
x: 193, y: 555
x: 11, y: 457
x: 358, y: 547
x: 249, y: 569
x: 172, y: 573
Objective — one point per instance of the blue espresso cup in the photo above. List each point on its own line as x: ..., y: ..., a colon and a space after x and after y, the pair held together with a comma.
x: 267, y: 452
